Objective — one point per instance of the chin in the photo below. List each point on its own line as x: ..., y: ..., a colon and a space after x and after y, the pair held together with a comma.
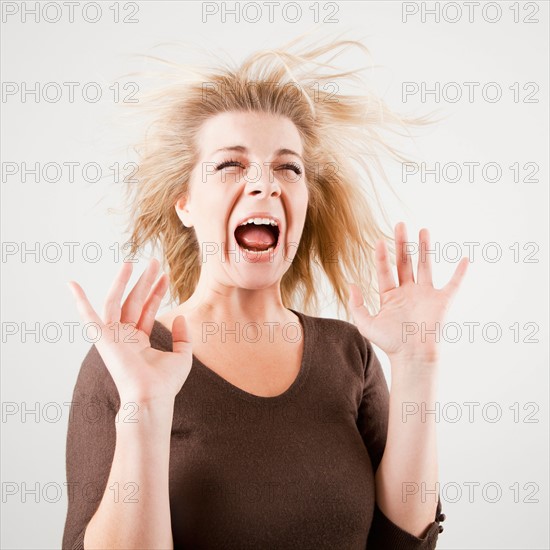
x: 256, y: 281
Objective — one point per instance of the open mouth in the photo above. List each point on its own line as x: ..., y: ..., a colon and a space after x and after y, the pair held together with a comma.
x: 258, y: 234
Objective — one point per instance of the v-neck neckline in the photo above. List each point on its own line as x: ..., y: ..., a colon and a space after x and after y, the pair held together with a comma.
x: 288, y: 393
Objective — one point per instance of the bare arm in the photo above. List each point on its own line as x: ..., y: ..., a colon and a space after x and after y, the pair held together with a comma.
x: 140, y: 461
x: 136, y: 454
x: 407, y: 478
x: 405, y: 328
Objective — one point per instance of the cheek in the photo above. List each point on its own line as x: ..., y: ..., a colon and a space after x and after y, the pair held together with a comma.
x: 298, y: 205
x: 211, y: 205
x: 302, y: 201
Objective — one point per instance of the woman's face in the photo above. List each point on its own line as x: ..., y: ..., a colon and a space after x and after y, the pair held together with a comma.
x: 250, y: 167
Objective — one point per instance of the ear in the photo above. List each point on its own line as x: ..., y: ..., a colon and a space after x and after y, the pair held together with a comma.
x: 182, y: 210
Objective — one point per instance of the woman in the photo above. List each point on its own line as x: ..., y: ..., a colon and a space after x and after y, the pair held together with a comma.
x: 242, y: 422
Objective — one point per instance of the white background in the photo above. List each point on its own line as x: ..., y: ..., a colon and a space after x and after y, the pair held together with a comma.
x: 504, y: 212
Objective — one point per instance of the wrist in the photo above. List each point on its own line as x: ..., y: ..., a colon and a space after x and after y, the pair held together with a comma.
x: 145, y: 412
x: 414, y: 370
x: 147, y: 403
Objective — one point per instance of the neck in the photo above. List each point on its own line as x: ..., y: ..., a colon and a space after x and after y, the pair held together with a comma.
x: 217, y: 303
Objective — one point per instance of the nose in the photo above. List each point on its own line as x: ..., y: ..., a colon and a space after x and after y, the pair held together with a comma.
x: 262, y: 181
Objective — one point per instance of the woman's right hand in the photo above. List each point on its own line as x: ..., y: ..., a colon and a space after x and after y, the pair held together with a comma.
x: 141, y: 373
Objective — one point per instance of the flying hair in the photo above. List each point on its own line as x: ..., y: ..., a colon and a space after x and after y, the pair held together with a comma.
x: 345, y: 136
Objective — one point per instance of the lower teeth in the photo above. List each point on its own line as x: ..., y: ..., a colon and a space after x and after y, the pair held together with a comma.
x: 249, y: 250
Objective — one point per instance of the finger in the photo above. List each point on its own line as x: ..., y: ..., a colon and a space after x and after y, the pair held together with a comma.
x: 424, y: 271
x: 133, y: 305
x: 112, y: 307
x: 181, y: 335
x: 403, y: 258
x: 85, y: 309
x: 453, y: 285
x: 358, y: 310
x: 87, y: 312
x: 147, y: 319
x: 383, y: 268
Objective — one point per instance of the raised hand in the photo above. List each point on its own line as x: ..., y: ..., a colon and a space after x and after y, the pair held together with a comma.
x: 409, y: 310
x: 141, y: 373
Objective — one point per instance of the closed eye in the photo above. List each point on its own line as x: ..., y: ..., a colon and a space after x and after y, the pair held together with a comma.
x: 228, y: 163
x: 291, y: 166
x: 288, y: 166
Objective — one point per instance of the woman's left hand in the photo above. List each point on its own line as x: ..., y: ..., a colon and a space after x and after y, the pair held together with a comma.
x: 408, y: 312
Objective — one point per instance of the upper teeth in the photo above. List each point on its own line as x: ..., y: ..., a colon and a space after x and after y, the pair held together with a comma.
x: 260, y: 221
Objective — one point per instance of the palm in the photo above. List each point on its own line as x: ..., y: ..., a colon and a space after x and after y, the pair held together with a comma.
x: 140, y: 372
x: 408, y: 312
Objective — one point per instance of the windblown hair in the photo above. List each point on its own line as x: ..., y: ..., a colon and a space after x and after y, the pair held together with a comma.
x: 342, y: 138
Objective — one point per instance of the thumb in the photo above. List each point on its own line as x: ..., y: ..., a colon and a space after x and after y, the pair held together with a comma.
x: 358, y: 310
x: 181, y: 335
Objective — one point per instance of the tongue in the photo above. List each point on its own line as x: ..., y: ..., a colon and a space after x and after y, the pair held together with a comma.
x: 254, y: 237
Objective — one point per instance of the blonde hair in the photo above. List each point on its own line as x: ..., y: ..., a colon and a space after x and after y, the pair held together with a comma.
x: 342, y: 137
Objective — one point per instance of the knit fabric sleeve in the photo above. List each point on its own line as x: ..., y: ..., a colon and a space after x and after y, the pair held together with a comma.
x: 372, y: 423
x: 90, y: 446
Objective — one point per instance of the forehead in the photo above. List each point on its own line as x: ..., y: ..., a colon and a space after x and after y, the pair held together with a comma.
x: 261, y: 133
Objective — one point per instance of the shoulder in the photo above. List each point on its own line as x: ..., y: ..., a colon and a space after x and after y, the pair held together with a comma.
x: 94, y: 383
x: 339, y: 335
x: 161, y: 336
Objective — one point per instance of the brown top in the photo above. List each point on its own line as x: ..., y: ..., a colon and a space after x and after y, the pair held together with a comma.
x: 291, y: 471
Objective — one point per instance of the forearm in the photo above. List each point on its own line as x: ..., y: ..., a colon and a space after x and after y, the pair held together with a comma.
x: 408, y: 473
x: 141, y: 460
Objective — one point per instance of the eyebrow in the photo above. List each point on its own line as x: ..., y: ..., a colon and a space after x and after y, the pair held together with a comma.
x: 243, y: 149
